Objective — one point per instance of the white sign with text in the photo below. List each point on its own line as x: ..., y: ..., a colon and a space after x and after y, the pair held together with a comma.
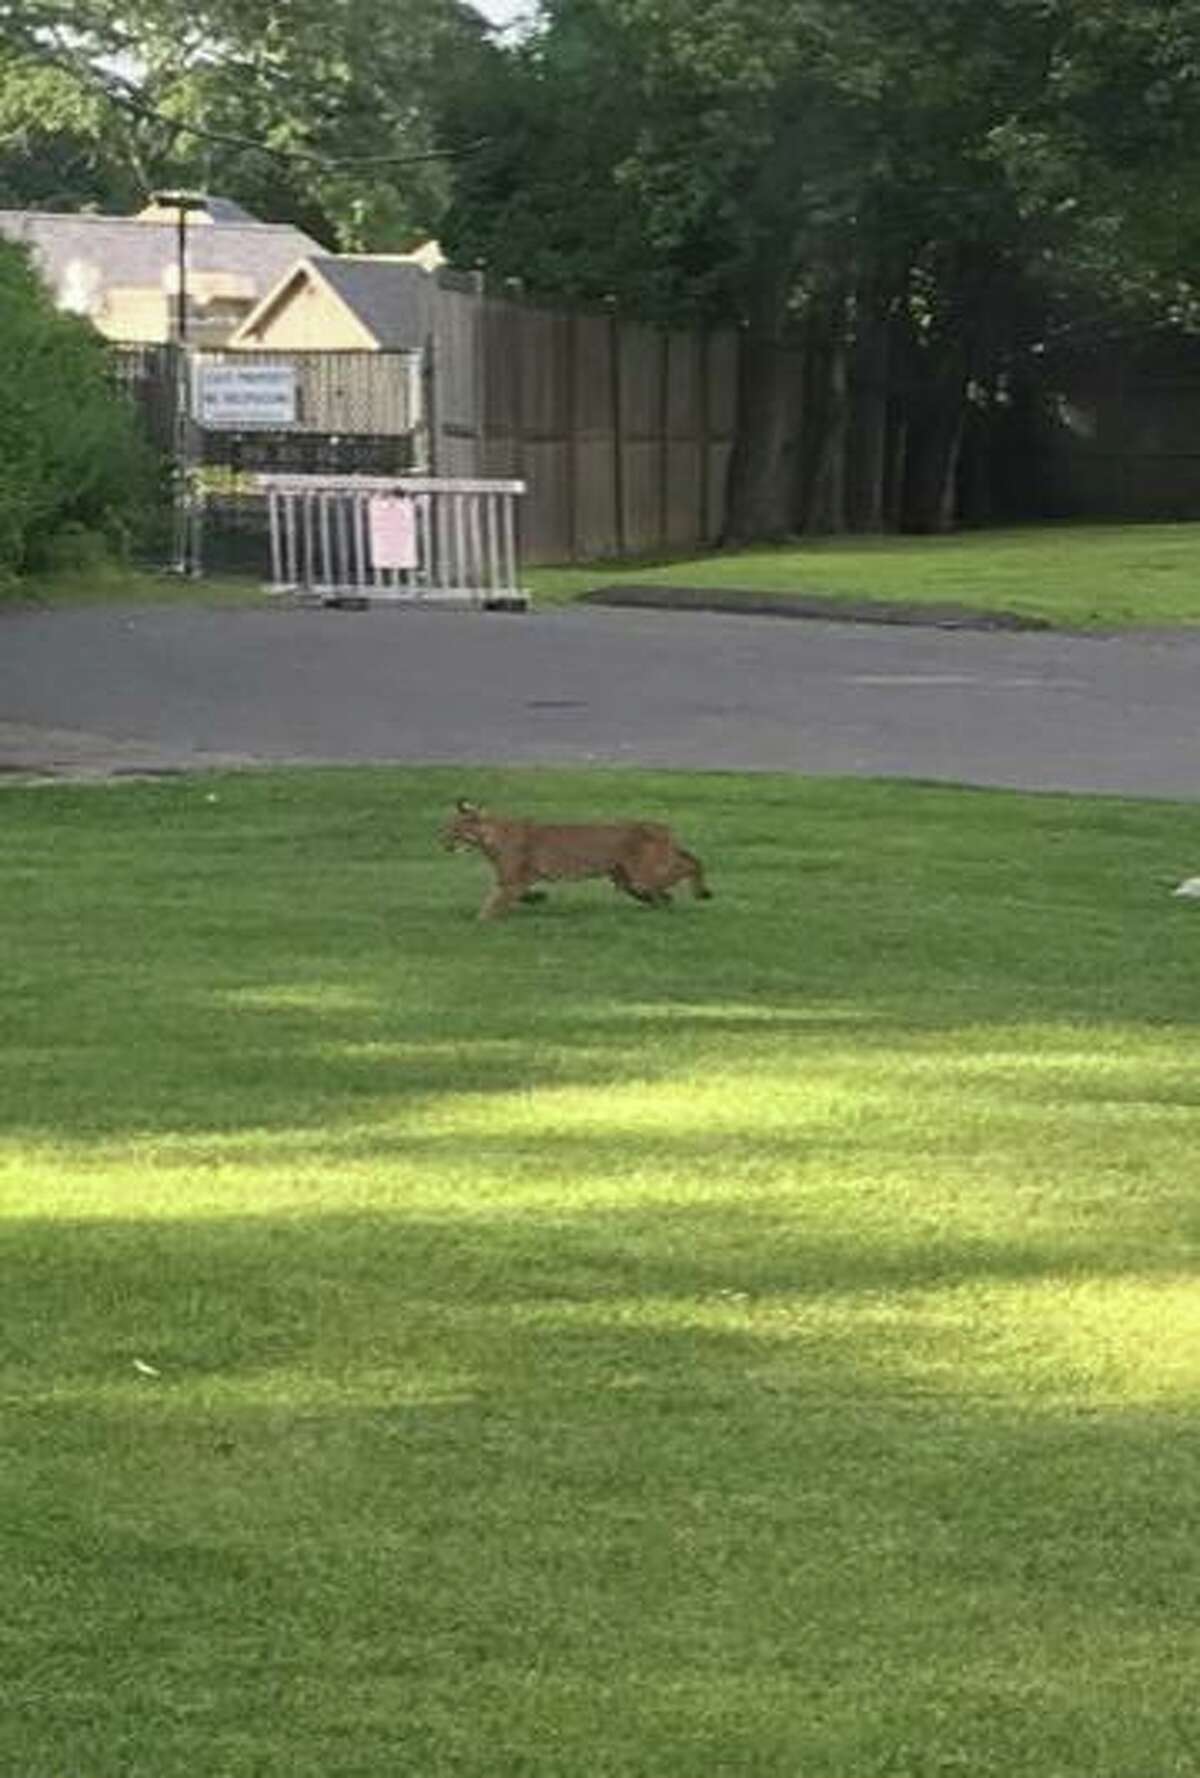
x: 242, y: 395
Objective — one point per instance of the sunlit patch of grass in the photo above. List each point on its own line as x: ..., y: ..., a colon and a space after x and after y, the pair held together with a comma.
x: 756, y: 1338
x: 1077, y: 576
x: 320, y: 998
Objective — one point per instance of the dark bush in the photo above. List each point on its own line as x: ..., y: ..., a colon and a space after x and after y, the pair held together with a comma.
x: 73, y: 463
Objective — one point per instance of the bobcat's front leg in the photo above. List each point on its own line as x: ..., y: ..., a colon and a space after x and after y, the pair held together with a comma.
x: 499, y: 899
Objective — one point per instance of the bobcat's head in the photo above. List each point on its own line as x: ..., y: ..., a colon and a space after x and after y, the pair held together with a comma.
x: 464, y: 828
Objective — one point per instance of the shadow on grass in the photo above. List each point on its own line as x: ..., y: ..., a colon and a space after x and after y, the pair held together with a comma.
x: 294, y: 954
x: 604, y: 1493
x: 366, y: 1082
x: 827, y: 1431
x: 252, y: 1292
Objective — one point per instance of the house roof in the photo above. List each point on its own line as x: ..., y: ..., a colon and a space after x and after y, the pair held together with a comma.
x: 378, y: 290
x: 384, y: 293
x: 82, y: 256
x: 202, y: 209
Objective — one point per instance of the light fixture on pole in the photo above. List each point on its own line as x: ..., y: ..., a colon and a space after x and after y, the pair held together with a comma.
x: 186, y: 553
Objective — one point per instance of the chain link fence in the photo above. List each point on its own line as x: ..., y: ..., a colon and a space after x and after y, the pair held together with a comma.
x: 355, y: 413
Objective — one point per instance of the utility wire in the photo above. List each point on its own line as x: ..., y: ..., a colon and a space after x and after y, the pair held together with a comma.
x: 121, y: 93
x: 129, y: 102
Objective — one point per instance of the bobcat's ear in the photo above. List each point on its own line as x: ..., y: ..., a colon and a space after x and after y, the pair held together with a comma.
x: 466, y: 808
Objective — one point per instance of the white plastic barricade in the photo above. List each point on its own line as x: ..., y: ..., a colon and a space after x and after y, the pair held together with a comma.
x: 358, y: 539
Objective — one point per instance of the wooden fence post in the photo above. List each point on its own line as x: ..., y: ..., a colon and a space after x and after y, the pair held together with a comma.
x: 571, y: 393
x: 664, y: 439
x: 618, y: 427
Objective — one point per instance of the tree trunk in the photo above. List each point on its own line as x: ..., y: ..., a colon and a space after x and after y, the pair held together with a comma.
x: 869, y: 440
x: 825, y: 506
x: 975, y: 477
x: 897, y: 459
x: 935, y: 433
x: 821, y: 499
x: 973, y: 285
x: 929, y: 493
x: 767, y: 398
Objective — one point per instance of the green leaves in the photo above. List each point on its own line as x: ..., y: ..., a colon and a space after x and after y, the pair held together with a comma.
x: 70, y: 456
x: 325, y: 122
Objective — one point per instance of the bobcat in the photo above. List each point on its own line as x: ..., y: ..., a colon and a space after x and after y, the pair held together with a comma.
x: 641, y: 858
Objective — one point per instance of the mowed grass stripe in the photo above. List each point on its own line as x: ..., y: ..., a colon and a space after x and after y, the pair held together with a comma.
x: 756, y: 1338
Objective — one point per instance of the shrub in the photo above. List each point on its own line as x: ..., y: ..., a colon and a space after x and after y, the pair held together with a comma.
x: 72, y: 459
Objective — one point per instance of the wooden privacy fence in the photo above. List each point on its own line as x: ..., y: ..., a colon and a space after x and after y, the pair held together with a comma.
x: 390, y: 540
x: 623, y: 431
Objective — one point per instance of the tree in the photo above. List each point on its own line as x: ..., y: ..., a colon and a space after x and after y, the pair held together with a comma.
x: 327, y: 126
x: 896, y: 199
x: 72, y: 460
x: 60, y: 148
x: 899, y: 202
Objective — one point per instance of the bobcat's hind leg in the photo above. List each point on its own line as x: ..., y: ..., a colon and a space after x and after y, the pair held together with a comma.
x: 690, y: 866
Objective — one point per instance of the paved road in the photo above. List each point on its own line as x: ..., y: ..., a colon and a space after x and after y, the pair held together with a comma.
x: 154, y: 688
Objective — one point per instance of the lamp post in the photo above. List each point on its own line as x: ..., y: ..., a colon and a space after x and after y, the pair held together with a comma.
x: 186, y: 554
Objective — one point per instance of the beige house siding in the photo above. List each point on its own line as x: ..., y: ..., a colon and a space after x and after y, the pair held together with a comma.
x: 306, y: 317
x: 135, y: 315
x: 340, y: 302
x: 148, y: 316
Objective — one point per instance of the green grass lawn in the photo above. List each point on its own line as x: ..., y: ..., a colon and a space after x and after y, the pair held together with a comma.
x: 760, y: 1338
x: 117, y: 584
x: 1076, y: 576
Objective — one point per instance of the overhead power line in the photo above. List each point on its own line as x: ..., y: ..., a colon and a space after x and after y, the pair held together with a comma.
x: 121, y: 92
x: 131, y: 102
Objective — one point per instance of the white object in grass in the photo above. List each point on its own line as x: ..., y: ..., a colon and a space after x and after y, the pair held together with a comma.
x: 1190, y: 887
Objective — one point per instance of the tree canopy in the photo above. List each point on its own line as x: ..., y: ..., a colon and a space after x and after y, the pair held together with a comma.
x: 927, y: 190
x: 329, y: 122
x: 915, y: 197
x: 818, y: 132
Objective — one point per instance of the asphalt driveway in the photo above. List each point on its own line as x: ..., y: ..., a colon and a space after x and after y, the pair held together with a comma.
x: 162, y: 688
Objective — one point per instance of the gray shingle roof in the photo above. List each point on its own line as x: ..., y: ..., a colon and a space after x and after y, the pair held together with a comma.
x: 224, y: 210
x: 81, y: 253
x: 387, y: 295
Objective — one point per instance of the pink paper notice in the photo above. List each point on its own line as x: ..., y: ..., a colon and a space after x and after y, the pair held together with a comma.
x: 393, y: 522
